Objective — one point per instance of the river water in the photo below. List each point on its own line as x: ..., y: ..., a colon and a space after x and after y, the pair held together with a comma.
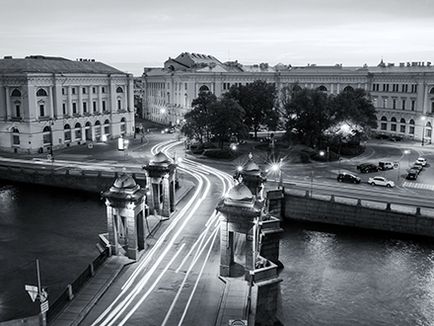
x: 58, y: 227
x: 332, y: 276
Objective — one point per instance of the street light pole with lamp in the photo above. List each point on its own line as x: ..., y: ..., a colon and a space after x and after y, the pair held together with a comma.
x: 277, y: 167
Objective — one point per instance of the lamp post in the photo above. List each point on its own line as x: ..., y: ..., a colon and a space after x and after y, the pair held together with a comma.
x: 405, y: 153
x: 52, y: 140
x: 277, y: 167
x: 423, y: 118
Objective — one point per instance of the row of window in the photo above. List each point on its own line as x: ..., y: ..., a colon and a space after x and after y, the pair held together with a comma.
x: 42, y: 111
x: 42, y: 92
x: 394, y: 103
x: 403, y: 88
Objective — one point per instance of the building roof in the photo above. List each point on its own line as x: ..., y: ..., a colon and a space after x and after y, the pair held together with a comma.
x: 43, y: 64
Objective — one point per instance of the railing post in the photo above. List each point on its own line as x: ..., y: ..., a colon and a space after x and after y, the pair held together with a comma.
x: 388, y: 207
x: 417, y: 210
x: 70, y: 294
x: 91, y: 269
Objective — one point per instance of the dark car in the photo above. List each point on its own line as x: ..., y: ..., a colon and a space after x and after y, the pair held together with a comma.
x: 367, y: 167
x: 346, y: 177
x: 417, y: 167
x: 412, y: 174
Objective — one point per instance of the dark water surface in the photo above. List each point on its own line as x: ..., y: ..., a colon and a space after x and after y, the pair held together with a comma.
x: 341, y: 276
x: 332, y: 276
x: 58, y: 227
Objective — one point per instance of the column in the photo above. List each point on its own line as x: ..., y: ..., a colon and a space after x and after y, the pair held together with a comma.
x: 131, y: 234
x: 166, y: 197
x: 50, y: 101
x: 226, y: 248
x: 332, y: 88
x: 8, y: 104
x: 250, y: 264
x: 99, y: 100
x: 150, y: 196
x: 111, y: 229
x: 2, y: 101
x: 338, y: 88
x: 80, y: 101
x: 69, y: 104
x: 425, y: 100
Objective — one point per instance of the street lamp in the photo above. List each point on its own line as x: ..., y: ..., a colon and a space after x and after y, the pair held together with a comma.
x: 277, y: 167
x: 406, y: 152
x: 423, y: 118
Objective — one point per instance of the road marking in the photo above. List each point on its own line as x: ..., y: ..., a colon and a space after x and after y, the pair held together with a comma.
x: 418, y: 185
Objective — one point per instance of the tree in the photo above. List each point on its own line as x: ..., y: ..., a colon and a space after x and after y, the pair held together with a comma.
x: 198, y: 120
x: 226, y: 119
x: 257, y: 99
x: 308, y: 116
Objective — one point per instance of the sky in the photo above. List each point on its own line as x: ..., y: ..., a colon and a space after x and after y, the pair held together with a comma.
x: 133, y: 34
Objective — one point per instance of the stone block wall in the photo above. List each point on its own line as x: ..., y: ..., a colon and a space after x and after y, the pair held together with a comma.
x: 389, y: 217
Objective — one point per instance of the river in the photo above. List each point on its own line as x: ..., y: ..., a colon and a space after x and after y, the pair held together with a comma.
x: 332, y: 276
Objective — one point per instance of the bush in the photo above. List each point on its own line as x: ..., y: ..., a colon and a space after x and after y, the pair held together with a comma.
x: 218, y: 153
x: 196, y: 148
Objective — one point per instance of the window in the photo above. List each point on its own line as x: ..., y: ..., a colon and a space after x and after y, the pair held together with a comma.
x: 103, y: 106
x: 74, y: 108
x: 18, y: 110
x: 402, y: 128
x: 431, y: 91
x: 16, y: 93
x: 185, y: 86
x: 403, y: 104
x: 119, y: 105
x: 348, y: 89
x: 42, y: 110
x: 413, y: 104
x: 46, y: 136
x: 94, y: 90
x: 385, y: 102
x: 119, y: 90
x: 432, y: 107
x: 94, y: 106
x: 411, y: 129
x: 15, y: 137
x: 394, y: 103
x: 77, y: 130
x: 84, y: 90
x: 85, y: 107
x: 41, y: 92
x: 123, y: 126
x: 404, y: 88
x: 67, y: 132
x: 202, y: 88
x: 383, y: 126
x: 63, y: 91
x: 106, y: 127
x: 322, y: 88
x: 64, y: 108
x: 73, y: 90
x: 102, y: 89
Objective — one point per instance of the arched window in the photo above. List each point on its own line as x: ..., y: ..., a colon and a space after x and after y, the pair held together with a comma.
x: 411, y: 128
x: 67, y: 132
x: 383, y: 124
x: 428, y: 124
x: 432, y: 90
x: 203, y: 88
x: 16, y: 93
x: 97, y: 123
x: 77, y: 131
x: 46, y: 135
x: 123, y: 126
x: 411, y: 122
x: 87, y: 124
x: 348, y: 89
x: 322, y: 88
x: 383, y: 118
x: 41, y: 92
x: 119, y: 90
x: 402, y: 120
x: 88, y: 131
x: 106, y: 127
x: 15, y: 130
x: 393, y: 124
x: 402, y: 127
x: 393, y: 119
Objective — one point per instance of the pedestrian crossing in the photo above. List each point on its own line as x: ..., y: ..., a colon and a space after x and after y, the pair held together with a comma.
x: 418, y: 185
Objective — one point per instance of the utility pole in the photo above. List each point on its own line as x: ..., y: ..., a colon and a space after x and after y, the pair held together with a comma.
x: 37, y: 292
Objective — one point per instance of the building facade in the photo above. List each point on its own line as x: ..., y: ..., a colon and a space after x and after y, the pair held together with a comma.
x: 403, y: 95
x: 51, y: 101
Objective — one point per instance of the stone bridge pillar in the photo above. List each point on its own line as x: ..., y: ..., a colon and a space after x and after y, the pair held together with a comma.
x: 161, y: 173
x: 251, y: 175
x: 125, y: 205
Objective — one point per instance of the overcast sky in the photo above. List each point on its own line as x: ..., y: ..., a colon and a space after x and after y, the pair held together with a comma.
x: 131, y: 34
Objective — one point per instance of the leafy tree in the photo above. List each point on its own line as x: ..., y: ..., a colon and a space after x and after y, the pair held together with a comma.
x: 257, y: 99
x: 226, y: 119
x: 198, y: 119
x: 308, y: 116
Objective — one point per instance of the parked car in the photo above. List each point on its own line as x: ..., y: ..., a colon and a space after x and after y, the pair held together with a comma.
x: 367, y: 167
x: 412, y: 174
x: 395, y: 138
x: 347, y: 177
x: 385, y: 165
x: 381, y: 181
x: 417, y: 167
x: 422, y: 161
x: 417, y: 163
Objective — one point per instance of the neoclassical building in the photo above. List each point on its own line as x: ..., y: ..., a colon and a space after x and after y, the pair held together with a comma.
x: 52, y: 101
x: 402, y: 94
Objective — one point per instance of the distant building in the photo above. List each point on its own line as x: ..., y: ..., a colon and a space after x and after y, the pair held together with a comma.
x: 52, y: 101
x: 403, y: 95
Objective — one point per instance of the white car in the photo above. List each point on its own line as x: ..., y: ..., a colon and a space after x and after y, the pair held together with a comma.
x: 380, y: 181
x: 422, y: 161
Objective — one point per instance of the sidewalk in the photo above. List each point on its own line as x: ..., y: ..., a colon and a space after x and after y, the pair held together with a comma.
x: 234, y: 302
x: 87, y: 297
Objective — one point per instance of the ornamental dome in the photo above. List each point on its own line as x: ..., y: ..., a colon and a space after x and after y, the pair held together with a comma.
x: 240, y: 192
x: 124, y: 181
x: 251, y: 168
x: 161, y: 158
